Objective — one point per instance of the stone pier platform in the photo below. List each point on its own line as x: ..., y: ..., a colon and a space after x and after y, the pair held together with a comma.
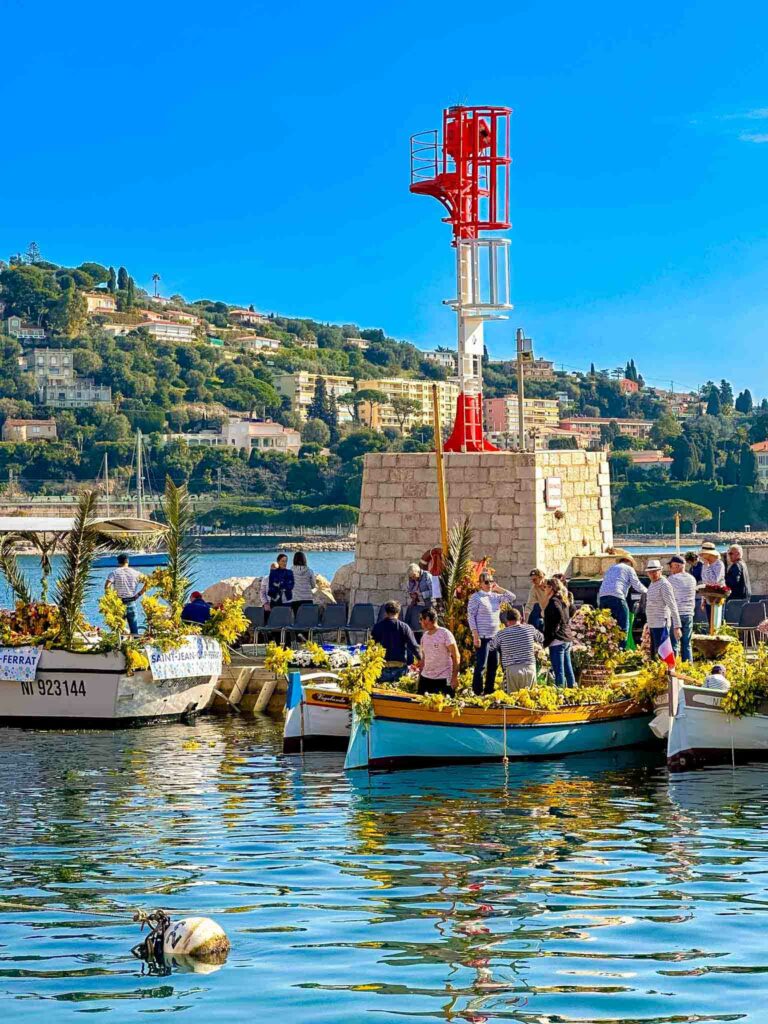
x: 503, y: 493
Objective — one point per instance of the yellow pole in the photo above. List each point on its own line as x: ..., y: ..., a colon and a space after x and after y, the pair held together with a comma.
x: 677, y: 532
x: 440, y: 473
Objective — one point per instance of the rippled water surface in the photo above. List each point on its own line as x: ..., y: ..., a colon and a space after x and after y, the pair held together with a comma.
x: 591, y: 889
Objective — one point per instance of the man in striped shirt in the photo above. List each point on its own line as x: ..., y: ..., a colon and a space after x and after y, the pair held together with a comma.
x: 129, y: 585
x: 515, y: 645
x: 684, y: 587
x: 617, y: 583
x: 660, y: 607
x: 483, y: 615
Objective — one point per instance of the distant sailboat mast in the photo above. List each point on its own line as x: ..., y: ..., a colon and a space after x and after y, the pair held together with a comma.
x: 139, y: 478
x: 106, y: 482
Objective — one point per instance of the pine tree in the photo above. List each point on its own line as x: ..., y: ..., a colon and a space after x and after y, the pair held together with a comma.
x: 713, y: 402
x: 318, y: 407
x: 747, y: 467
x: 726, y: 395
x: 122, y: 279
x: 744, y: 402
x: 708, y: 466
x: 731, y: 470
x: 33, y: 254
x: 112, y: 282
x: 333, y: 417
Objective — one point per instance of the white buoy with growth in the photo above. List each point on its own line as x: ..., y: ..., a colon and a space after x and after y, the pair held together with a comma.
x: 197, y: 937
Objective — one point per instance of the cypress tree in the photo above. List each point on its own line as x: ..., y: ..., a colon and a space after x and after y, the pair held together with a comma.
x: 747, y: 467
x: 318, y: 407
x: 112, y: 281
x: 713, y: 402
x: 122, y: 279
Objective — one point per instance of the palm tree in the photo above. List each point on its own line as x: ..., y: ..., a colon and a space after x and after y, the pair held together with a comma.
x: 155, y: 279
x: 179, y: 517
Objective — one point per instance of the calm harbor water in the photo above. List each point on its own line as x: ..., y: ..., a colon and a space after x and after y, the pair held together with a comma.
x: 209, y: 567
x: 594, y: 889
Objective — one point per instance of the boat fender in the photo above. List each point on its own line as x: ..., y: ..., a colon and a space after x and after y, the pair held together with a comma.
x: 200, y: 938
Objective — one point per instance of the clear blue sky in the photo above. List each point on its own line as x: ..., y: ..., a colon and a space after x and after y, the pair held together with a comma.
x: 259, y: 153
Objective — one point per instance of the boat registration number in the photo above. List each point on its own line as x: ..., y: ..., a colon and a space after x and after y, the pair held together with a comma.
x: 53, y: 688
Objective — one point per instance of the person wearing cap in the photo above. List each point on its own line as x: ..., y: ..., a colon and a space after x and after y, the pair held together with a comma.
x: 196, y: 610
x: 617, y: 583
x: 660, y: 607
x: 537, y: 596
x: 737, y: 574
x: 684, y: 588
x: 483, y: 614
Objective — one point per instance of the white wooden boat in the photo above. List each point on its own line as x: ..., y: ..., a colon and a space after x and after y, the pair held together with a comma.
x: 700, y: 733
x: 403, y: 733
x: 81, y: 690
x: 321, y: 720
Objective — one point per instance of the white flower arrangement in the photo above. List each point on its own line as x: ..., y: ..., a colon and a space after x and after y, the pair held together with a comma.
x: 339, y: 659
x: 302, y: 658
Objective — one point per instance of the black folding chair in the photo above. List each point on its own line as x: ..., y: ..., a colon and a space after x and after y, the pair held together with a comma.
x: 279, y: 619
x: 382, y: 612
x: 257, y: 618
x: 334, y: 620
x: 362, y: 619
x: 305, y: 623
x: 732, y: 613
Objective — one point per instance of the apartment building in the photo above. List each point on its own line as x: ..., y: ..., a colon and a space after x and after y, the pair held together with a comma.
x: 761, y: 451
x: 502, y: 416
x: 79, y: 393
x: 420, y: 391
x: 589, y: 426
x: 167, y: 330
x: 448, y: 360
x: 299, y: 389
x: 258, y: 343
x: 49, y: 364
x: 248, y: 317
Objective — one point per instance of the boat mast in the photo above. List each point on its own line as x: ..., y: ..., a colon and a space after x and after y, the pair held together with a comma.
x: 106, y: 480
x: 139, y: 478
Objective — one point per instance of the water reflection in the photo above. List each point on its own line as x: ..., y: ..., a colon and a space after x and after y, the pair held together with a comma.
x: 593, y: 889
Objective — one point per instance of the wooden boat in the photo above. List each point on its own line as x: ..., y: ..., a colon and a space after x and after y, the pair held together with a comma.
x: 700, y: 732
x: 403, y: 733
x: 321, y: 720
x: 80, y: 690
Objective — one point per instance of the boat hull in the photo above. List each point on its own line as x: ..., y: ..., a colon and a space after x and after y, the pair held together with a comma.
x: 75, y: 690
x: 700, y: 733
x: 403, y: 734
x: 321, y: 722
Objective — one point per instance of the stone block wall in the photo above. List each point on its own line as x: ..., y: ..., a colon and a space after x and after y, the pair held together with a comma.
x: 503, y: 495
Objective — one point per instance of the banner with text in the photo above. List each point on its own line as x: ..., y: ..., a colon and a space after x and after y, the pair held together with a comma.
x: 199, y: 656
x: 19, y: 662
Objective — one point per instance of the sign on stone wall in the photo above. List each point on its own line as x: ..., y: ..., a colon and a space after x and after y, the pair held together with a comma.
x: 553, y: 492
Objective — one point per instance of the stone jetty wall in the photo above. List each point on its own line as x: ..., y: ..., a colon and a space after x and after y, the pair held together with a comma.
x: 503, y: 493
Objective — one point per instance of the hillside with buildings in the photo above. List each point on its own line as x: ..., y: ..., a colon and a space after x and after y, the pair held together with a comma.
x: 271, y: 412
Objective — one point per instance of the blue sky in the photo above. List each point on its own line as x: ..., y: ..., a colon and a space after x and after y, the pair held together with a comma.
x: 260, y: 154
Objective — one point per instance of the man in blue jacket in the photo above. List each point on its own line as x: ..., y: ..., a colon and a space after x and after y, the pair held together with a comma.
x: 398, y: 640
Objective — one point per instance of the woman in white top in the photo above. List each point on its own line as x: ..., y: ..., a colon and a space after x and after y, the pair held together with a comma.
x: 304, y: 581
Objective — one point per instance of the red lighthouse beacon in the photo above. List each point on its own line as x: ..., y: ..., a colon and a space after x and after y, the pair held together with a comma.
x: 468, y: 171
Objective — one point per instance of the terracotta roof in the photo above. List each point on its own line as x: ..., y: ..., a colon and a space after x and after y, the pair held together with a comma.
x: 761, y: 446
x: 29, y: 423
x: 649, y: 458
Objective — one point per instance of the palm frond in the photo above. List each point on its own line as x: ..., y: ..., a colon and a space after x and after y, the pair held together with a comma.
x: 457, y: 564
x: 9, y: 567
x: 75, y: 580
x: 179, y: 517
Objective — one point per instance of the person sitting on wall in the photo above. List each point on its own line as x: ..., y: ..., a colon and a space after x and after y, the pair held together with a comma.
x: 197, y: 609
x: 398, y: 640
x: 617, y: 583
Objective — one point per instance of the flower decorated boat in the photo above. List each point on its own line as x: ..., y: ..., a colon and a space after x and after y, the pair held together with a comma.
x: 405, y: 732
x: 703, y: 730
x: 321, y: 720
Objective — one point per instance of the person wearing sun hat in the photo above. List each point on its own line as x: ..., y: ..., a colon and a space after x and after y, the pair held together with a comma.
x: 661, y: 610
x: 714, y: 570
x: 684, y: 588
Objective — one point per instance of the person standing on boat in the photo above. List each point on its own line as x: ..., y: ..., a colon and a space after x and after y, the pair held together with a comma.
x: 398, y: 640
x: 304, y: 582
x: 737, y: 574
x: 129, y: 586
x: 661, y: 611
x: 713, y: 573
x: 515, y: 644
x: 280, y: 583
x: 558, y: 637
x: 483, y: 615
x: 616, y: 585
x: 439, y: 663
x: 536, y: 596
x: 684, y: 588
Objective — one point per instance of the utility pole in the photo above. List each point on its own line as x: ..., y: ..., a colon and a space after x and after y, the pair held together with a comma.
x: 218, y: 482
x: 719, y: 514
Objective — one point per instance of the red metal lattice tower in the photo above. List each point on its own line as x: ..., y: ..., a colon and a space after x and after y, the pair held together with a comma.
x: 468, y: 171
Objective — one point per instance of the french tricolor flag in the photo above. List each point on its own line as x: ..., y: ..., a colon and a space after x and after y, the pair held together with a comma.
x: 666, y: 651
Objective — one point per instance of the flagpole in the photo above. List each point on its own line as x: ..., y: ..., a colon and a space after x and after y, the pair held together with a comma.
x: 443, y: 504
